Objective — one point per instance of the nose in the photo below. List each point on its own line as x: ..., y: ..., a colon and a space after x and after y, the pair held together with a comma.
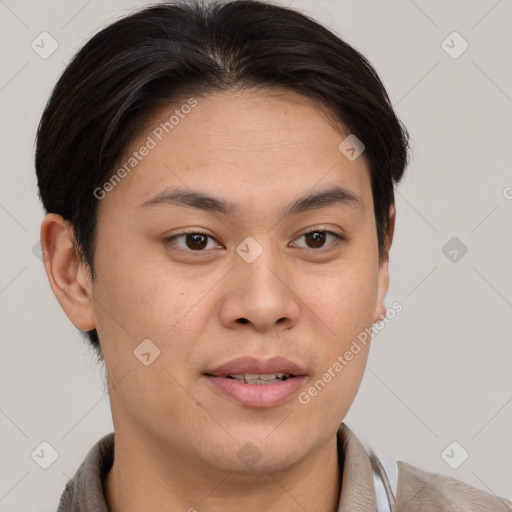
x: 260, y: 295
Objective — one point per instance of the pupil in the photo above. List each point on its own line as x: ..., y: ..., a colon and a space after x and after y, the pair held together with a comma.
x: 198, y: 241
x: 318, y: 238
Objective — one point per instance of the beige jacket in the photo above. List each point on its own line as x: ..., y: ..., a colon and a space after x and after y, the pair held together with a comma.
x: 364, y: 484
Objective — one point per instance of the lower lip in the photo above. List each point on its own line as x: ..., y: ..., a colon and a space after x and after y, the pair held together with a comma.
x: 257, y: 395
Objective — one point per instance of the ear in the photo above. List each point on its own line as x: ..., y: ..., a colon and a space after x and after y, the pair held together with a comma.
x: 69, y: 278
x: 383, y: 275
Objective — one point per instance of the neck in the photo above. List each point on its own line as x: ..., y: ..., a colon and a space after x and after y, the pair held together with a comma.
x: 142, y: 479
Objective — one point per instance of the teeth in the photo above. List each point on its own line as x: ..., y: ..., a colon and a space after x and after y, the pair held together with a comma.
x: 262, y: 378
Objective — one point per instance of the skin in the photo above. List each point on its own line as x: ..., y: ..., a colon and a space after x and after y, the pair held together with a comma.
x: 176, y: 439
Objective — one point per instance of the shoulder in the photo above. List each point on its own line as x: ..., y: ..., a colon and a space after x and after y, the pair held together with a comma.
x: 419, y: 491
x: 84, y: 492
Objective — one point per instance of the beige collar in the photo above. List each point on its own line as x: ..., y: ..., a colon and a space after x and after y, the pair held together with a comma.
x: 357, y: 489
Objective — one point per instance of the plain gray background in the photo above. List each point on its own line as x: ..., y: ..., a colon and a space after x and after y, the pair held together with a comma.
x: 439, y: 372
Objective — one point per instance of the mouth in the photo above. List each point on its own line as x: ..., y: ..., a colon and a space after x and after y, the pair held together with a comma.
x: 252, y: 369
x: 255, y: 378
x: 257, y: 383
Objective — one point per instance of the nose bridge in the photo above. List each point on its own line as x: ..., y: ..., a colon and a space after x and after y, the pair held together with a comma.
x: 260, y: 293
x: 254, y: 264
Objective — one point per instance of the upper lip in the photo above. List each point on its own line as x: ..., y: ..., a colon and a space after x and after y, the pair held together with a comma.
x: 255, y: 366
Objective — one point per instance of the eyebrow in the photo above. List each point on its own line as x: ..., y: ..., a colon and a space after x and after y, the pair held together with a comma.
x: 334, y: 195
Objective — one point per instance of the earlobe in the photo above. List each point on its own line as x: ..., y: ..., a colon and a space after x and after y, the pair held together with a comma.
x: 383, y: 285
x: 69, y: 280
x: 383, y: 278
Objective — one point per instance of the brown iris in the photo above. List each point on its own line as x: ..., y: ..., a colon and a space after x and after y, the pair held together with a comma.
x: 317, y: 238
x: 196, y: 240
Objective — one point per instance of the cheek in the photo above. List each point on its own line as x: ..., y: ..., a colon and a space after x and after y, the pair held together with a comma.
x: 343, y: 303
x: 342, y: 299
x: 142, y: 295
x: 345, y: 312
x: 141, y: 299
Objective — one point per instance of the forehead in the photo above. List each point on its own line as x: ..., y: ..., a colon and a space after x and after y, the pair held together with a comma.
x: 245, y: 145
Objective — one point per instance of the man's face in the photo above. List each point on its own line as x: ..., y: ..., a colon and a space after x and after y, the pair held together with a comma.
x: 260, y: 282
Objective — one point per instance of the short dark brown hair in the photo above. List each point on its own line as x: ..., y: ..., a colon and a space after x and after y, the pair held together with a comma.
x: 191, y: 47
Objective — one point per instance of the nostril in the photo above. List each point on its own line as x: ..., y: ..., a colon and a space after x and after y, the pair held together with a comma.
x: 243, y: 320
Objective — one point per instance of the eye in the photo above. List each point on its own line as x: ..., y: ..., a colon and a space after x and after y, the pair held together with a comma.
x: 318, y: 237
x: 193, y: 240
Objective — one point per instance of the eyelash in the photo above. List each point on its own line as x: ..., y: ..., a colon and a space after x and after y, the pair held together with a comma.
x: 339, y: 238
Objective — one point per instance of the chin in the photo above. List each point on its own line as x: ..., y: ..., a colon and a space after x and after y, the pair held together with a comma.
x: 260, y: 463
x: 257, y: 452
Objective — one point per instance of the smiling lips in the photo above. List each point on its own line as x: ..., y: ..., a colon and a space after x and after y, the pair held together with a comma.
x: 257, y: 383
x: 263, y: 378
